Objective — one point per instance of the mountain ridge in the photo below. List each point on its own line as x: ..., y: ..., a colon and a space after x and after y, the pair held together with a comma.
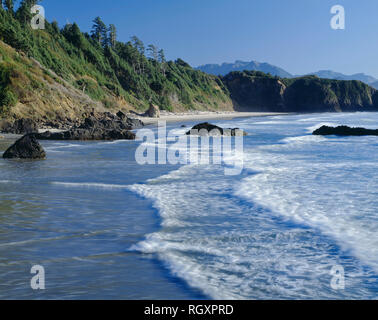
x: 225, y: 68
x: 239, y: 65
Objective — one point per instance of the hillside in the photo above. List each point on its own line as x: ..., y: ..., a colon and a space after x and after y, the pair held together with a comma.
x: 225, y: 68
x: 256, y: 91
x: 56, y: 73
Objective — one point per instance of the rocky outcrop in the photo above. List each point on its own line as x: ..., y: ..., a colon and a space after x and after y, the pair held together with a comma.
x: 20, y: 126
x: 87, y: 135
x: 109, y: 121
x: 207, y: 129
x: 344, y: 131
x: 25, y: 148
x: 93, y: 120
x: 153, y: 111
x: 98, y: 126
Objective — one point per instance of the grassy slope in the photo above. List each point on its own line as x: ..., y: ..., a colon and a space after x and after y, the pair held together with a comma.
x: 56, y: 72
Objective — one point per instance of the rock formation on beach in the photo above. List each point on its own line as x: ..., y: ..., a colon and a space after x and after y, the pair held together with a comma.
x: 207, y: 129
x: 87, y: 135
x: 20, y: 126
x: 345, y: 131
x: 153, y: 111
x: 98, y: 127
x: 25, y: 148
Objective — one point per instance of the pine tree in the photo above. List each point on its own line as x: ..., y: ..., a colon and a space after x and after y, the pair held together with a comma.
x: 99, y: 31
x: 161, y: 59
x: 153, y: 50
x: 138, y: 44
x: 112, y: 35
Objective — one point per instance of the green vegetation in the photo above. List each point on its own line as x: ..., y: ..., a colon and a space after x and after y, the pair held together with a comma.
x: 7, y: 97
x: 109, y: 71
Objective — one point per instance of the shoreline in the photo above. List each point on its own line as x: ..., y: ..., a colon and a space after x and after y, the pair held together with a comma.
x: 207, y: 115
x: 170, y: 117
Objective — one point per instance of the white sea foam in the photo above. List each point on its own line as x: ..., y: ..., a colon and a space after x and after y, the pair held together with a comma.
x: 90, y: 185
x: 332, y: 197
x: 307, y: 203
x: 303, y: 139
x: 9, y: 181
x: 319, y: 125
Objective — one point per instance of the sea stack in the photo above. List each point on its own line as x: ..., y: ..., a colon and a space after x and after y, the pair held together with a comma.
x: 208, y: 129
x: 25, y: 148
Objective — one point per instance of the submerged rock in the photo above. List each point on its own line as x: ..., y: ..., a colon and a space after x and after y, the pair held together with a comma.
x: 25, y: 148
x: 344, y: 131
x: 207, y: 129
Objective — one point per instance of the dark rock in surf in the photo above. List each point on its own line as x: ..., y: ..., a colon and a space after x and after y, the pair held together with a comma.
x: 207, y: 129
x: 344, y: 131
x: 25, y: 148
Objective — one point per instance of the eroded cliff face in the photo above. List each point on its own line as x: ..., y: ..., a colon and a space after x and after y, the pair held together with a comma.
x: 256, y: 91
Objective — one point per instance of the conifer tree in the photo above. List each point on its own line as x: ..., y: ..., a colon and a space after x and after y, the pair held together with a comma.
x: 112, y: 35
x: 138, y: 44
x: 99, y: 31
x: 161, y: 59
x: 153, y: 50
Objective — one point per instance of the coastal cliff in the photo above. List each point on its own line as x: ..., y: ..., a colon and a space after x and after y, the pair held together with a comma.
x: 257, y: 91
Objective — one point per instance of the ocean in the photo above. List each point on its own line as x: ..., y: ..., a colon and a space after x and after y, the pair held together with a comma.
x: 105, y: 227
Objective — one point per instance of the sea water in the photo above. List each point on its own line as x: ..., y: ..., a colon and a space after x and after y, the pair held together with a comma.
x: 103, y: 226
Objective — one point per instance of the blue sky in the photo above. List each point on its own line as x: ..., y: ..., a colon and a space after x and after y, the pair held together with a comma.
x: 293, y: 34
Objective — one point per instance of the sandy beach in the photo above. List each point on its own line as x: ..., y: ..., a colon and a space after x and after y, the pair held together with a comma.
x: 205, y: 115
